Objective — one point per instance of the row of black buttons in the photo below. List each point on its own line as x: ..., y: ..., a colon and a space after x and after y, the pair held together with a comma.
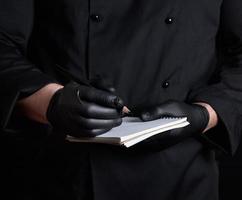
x: 168, y: 20
x: 98, y: 18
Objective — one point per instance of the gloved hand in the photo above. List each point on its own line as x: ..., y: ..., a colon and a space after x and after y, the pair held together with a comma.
x: 197, y: 116
x: 83, y: 110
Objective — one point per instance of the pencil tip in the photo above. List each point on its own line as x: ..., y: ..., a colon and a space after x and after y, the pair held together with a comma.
x: 126, y: 110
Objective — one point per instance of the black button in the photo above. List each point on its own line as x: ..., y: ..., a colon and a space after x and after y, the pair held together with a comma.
x: 96, y: 18
x: 169, y: 20
x: 166, y: 84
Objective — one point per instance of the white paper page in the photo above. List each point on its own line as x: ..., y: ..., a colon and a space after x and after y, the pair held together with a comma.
x: 138, y: 139
x: 133, y: 127
x: 130, y: 128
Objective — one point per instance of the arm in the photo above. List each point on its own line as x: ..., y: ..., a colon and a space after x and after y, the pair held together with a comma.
x: 75, y: 109
x: 19, y: 77
x: 225, y: 95
x: 35, y: 106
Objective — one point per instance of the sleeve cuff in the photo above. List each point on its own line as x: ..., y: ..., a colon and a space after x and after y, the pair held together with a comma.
x: 226, y: 135
x: 24, y: 86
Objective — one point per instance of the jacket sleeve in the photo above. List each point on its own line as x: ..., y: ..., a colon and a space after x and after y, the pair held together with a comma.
x: 225, y: 93
x: 18, y: 76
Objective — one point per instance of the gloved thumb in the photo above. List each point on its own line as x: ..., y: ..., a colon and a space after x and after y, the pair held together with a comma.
x: 105, y: 85
x: 102, y: 84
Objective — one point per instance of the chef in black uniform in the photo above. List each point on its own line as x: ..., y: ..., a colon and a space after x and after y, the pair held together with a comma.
x: 71, y: 66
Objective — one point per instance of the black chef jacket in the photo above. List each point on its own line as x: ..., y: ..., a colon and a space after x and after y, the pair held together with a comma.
x: 151, y: 51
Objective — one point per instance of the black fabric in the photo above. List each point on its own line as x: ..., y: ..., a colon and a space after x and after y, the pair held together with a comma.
x: 44, y: 169
x: 150, y: 52
x: 230, y: 172
x: 19, y: 77
x: 60, y: 170
x: 155, y: 175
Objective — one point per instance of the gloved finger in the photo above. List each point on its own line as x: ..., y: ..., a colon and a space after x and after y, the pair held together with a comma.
x: 173, y: 108
x: 102, y: 84
x: 100, y: 97
x: 88, y: 132
x: 151, y: 114
x: 93, y: 110
x: 105, y: 85
x: 167, y: 109
x: 91, y: 123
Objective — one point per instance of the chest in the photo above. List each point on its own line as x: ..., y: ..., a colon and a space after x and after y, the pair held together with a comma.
x: 142, y: 9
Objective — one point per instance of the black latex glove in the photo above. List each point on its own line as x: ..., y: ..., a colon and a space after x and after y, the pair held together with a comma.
x: 83, y: 110
x: 197, y: 116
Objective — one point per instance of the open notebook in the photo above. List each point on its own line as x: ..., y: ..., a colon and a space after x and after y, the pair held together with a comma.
x: 133, y: 130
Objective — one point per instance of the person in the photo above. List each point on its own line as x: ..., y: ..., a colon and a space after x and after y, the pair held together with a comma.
x: 73, y: 67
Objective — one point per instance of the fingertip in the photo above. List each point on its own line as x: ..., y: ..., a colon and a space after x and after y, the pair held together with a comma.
x: 119, y: 121
x: 118, y: 103
x: 97, y: 132
x: 126, y: 110
x: 147, y: 116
